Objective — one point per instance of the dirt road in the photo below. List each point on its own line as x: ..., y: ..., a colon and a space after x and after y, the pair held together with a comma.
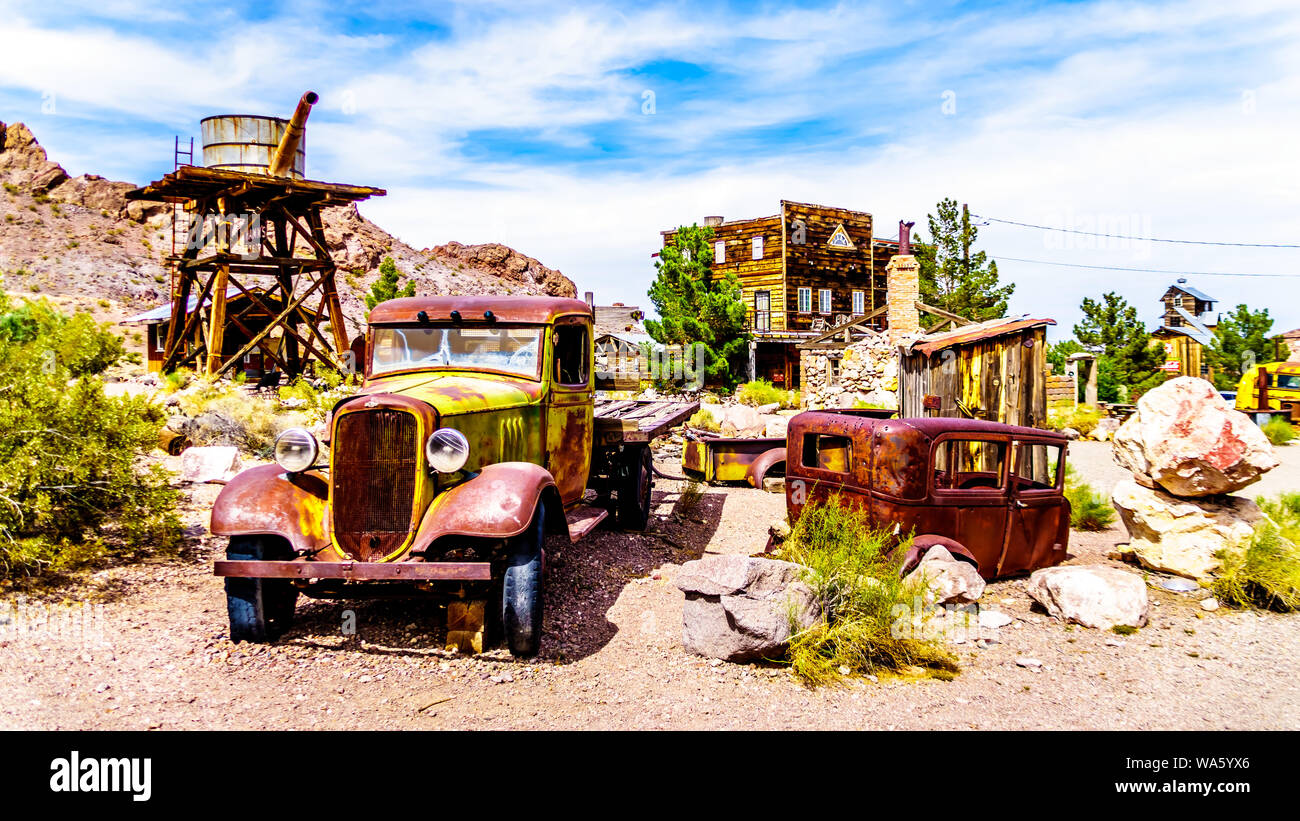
x: 148, y: 649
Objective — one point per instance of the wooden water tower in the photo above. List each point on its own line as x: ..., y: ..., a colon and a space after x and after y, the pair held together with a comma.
x: 254, y: 231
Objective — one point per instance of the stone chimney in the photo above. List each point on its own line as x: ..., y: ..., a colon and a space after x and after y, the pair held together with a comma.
x: 712, y: 222
x: 903, y: 289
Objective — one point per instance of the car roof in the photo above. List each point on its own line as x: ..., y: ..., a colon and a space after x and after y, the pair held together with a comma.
x: 531, y: 309
x: 932, y: 426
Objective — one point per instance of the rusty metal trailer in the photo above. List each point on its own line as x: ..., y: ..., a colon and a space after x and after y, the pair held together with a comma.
x: 724, y: 459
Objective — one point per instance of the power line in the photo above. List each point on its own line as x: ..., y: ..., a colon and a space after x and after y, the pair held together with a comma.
x: 997, y: 258
x: 1140, y: 239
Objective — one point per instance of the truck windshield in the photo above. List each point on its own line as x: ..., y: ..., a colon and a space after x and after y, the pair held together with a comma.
x: 508, y: 349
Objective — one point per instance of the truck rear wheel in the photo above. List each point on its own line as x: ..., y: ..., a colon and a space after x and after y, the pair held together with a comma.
x: 260, y: 610
x: 521, y: 590
x: 634, y: 490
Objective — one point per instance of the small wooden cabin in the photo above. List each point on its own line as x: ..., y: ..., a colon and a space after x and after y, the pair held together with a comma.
x: 994, y: 370
x: 1186, y: 327
x: 244, y: 318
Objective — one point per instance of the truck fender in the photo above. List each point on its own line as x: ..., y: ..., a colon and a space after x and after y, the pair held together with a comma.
x: 266, y: 500
x: 766, y: 460
x: 496, y: 504
x: 920, y: 544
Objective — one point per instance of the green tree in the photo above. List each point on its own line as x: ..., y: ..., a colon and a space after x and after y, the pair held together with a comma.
x: 1058, y: 352
x: 698, y: 308
x: 1240, y: 337
x: 72, y: 480
x: 1111, y: 328
x: 955, y: 277
x: 385, y: 288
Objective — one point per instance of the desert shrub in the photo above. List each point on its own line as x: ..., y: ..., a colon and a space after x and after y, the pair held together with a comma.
x: 1083, y: 418
x: 1264, y: 572
x: 703, y: 419
x: 315, y: 401
x: 761, y: 392
x: 72, y: 485
x: 1089, y: 510
x: 175, y: 380
x: 1285, y: 512
x: 1278, y: 430
x: 221, y: 415
x: 853, y: 570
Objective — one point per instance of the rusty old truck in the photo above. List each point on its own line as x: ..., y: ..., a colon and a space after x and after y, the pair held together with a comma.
x: 991, y: 493
x: 476, y: 433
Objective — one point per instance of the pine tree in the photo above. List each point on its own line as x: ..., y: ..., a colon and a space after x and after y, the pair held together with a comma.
x: 955, y: 277
x: 1240, y: 338
x: 1111, y: 328
x: 385, y: 288
x: 697, y: 307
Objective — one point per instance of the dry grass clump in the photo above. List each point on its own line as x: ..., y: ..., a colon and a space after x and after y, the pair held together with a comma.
x: 1265, y: 572
x: 867, y: 610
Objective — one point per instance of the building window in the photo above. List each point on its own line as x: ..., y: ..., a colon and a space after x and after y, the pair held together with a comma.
x: 805, y: 300
x: 757, y: 245
x: 719, y: 252
x: 859, y: 302
x: 824, y: 300
x: 763, y: 311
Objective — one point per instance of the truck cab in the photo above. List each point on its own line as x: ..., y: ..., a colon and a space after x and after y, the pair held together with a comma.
x: 472, y: 437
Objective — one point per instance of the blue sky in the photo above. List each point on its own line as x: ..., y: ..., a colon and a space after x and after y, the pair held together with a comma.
x: 577, y: 133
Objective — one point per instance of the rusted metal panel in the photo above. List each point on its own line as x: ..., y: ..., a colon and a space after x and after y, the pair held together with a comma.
x: 357, y: 571
x: 265, y: 500
x: 766, y: 461
x: 375, y: 465
x: 725, y: 460
x: 975, y: 333
x: 989, y: 494
x: 496, y: 504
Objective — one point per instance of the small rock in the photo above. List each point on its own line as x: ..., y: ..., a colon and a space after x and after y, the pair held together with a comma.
x: 1031, y: 663
x: 1093, y: 596
x: 1210, y: 605
x: 993, y: 619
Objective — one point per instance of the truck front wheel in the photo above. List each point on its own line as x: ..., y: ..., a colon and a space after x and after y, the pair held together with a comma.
x: 260, y: 610
x: 521, y: 591
x: 634, y: 490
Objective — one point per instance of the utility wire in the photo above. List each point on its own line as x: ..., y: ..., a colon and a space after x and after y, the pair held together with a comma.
x: 1141, y: 239
x: 997, y: 258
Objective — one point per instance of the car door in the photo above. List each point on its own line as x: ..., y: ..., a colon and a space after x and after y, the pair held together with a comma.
x: 569, y: 420
x: 1039, y: 514
x: 969, y: 491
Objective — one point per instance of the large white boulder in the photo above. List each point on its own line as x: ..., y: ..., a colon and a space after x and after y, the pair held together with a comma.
x: 1094, y: 596
x: 1185, y: 438
x: 1181, y: 536
x: 739, y: 608
x: 207, y: 464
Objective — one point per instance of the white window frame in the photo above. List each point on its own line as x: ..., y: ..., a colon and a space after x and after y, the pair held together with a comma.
x: 719, y: 252
x: 756, y: 247
x: 805, y: 300
x: 859, y: 303
x: 824, y: 301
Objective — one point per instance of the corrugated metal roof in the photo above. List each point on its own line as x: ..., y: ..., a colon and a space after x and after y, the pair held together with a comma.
x: 979, y: 332
x: 1198, y: 330
x: 164, y: 312
x: 1187, y: 289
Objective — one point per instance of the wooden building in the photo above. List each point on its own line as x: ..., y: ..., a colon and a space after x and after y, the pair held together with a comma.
x: 994, y: 370
x: 803, y: 271
x: 248, y: 314
x: 1185, y: 329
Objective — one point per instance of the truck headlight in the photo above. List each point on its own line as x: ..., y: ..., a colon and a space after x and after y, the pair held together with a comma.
x: 446, y: 449
x: 296, y: 450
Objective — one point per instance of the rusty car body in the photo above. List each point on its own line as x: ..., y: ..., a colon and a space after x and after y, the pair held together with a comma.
x: 989, y: 492
x: 475, y: 434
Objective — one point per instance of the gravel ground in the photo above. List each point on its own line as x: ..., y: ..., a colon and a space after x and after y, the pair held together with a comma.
x: 149, y: 650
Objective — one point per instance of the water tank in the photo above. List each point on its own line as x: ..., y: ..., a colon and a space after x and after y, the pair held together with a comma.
x: 247, y: 143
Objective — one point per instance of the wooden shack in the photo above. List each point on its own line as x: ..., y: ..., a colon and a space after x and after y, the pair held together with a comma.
x: 994, y: 370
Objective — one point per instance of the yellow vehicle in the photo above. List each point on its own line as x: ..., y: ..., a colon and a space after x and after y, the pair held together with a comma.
x: 1269, y: 387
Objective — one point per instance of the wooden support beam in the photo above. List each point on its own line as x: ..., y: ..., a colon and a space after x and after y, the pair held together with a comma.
x: 930, y: 309
x: 217, y: 326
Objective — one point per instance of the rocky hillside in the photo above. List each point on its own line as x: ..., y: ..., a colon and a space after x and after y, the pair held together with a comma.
x: 80, y: 242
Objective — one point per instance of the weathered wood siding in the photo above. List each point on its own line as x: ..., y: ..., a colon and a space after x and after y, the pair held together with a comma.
x: 815, y: 264
x: 1000, y: 379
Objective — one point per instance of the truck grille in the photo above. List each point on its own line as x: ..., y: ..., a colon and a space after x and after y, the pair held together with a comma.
x: 373, y: 481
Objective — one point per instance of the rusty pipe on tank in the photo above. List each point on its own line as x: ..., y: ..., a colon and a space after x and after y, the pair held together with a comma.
x: 282, y: 162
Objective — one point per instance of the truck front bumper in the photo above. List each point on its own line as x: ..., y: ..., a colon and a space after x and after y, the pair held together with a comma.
x: 358, y: 571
